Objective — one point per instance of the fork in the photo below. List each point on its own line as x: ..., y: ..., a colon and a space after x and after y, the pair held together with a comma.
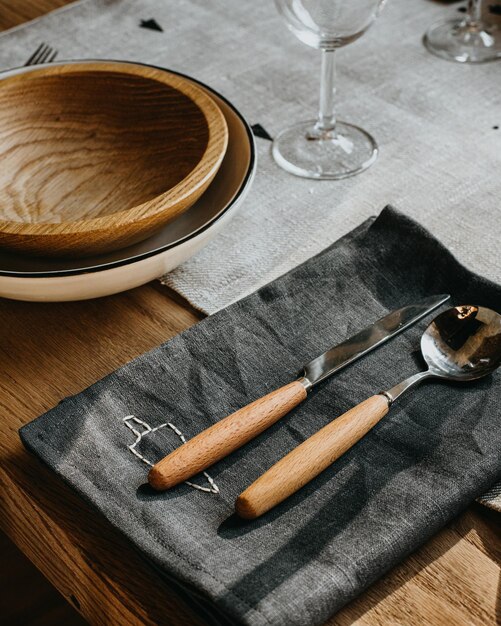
x: 43, y: 54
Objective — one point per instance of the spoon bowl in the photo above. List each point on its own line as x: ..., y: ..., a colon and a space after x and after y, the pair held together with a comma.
x: 463, y: 343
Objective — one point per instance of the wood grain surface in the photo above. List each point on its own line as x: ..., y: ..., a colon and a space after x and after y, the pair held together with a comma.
x: 49, y: 351
x: 99, y: 155
x: 310, y: 458
x: 224, y: 437
x: 16, y: 12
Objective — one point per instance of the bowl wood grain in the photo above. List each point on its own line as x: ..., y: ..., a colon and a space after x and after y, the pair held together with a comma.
x: 97, y: 156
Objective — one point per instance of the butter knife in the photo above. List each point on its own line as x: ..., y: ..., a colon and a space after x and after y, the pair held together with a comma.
x: 237, y: 429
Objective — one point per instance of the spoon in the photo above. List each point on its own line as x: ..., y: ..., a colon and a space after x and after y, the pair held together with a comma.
x: 460, y: 344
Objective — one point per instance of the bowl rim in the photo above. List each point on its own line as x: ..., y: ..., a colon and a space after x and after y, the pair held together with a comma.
x: 210, y: 160
x: 246, y: 182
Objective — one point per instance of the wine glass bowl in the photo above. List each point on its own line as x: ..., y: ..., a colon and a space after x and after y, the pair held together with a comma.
x: 325, y: 148
x: 327, y: 24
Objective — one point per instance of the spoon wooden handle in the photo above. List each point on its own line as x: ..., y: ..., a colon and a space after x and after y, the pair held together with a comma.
x: 310, y: 458
x: 232, y: 432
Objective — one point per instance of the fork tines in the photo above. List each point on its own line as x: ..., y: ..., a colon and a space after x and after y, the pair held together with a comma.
x: 43, y: 54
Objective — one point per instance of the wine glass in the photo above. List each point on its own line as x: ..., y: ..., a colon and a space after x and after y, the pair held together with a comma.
x: 326, y: 148
x: 466, y: 40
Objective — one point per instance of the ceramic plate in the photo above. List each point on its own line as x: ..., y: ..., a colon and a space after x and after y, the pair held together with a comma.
x: 52, y: 280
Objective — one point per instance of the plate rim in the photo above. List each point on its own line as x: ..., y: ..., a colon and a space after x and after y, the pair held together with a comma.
x: 144, y: 255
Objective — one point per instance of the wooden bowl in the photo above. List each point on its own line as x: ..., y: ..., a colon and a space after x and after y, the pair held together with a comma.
x: 55, y: 279
x: 99, y: 155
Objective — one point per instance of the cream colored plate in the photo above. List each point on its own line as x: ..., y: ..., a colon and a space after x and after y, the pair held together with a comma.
x: 46, y: 280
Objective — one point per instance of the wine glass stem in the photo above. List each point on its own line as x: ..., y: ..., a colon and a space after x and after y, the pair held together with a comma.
x: 326, y: 117
x: 474, y: 13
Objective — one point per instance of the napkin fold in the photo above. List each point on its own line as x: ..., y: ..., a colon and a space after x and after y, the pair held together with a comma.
x: 436, y: 450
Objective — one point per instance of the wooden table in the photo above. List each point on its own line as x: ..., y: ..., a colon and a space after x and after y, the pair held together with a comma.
x: 49, y: 351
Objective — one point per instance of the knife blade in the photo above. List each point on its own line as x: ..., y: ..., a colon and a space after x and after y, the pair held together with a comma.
x: 369, y: 338
x: 237, y: 429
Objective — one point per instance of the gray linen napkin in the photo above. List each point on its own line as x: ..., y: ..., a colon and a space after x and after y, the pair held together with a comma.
x: 436, y: 451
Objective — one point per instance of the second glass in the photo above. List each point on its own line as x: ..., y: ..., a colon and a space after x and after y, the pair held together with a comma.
x: 466, y: 40
x: 326, y: 148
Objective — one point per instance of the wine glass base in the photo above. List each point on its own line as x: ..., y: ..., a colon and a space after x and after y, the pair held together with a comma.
x: 456, y: 40
x: 303, y: 151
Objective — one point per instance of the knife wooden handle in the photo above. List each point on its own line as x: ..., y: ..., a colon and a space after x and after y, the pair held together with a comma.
x: 310, y: 458
x: 232, y: 432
